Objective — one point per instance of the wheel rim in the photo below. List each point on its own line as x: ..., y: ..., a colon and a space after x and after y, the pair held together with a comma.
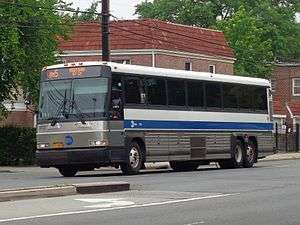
x: 134, y: 157
x: 250, y: 153
x: 238, y: 155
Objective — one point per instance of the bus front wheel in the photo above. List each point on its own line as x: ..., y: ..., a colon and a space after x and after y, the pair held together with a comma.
x: 134, y: 159
x: 68, y: 171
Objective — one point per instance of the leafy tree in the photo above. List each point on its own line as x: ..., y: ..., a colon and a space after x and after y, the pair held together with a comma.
x: 181, y: 11
x: 260, y: 31
x: 253, y: 52
x: 29, y: 31
x: 89, y: 15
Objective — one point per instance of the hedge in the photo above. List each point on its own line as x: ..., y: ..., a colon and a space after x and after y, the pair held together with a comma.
x: 17, y: 146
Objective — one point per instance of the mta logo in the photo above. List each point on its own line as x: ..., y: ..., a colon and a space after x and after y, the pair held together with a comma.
x: 134, y: 124
x: 69, y: 140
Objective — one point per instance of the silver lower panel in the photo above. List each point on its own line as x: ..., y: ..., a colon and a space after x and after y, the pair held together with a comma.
x: 169, y: 146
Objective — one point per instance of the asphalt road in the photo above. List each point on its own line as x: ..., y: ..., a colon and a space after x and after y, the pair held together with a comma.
x: 266, y: 194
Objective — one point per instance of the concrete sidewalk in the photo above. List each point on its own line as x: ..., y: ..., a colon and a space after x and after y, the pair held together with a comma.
x: 282, y: 156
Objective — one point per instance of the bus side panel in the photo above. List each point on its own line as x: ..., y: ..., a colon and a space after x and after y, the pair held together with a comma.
x: 172, y: 146
x: 265, y: 144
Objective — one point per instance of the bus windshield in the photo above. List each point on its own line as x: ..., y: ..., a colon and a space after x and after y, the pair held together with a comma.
x: 73, y: 99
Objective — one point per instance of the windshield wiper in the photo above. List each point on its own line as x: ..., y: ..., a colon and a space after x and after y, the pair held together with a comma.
x: 78, y: 113
x: 61, y: 109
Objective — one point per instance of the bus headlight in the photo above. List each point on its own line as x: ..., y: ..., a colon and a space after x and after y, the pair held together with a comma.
x: 42, y: 145
x: 94, y: 143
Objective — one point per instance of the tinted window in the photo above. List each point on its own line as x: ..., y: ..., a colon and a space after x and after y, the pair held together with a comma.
x: 132, y: 91
x: 195, y: 94
x: 245, y: 97
x: 230, y: 95
x: 213, y: 95
x: 156, y: 91
x: 116, y: 98
x: 176, y: 92
x: 260, y: 98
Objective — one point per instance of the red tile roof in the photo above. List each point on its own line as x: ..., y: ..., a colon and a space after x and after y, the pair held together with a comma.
x: 149, y: 34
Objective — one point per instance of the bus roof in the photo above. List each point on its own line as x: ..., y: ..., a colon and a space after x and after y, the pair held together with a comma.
x: 154, y: 71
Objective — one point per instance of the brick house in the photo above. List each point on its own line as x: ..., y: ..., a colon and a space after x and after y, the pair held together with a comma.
x: 141, y: 42
x: 153, y: 43
x: 286, y: 94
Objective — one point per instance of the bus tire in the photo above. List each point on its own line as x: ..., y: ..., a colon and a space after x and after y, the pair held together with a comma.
x: 237, y: 157
x: 184, y: 166
x: 250, y: 153
x: 134, y: 159
x: 68, y: 171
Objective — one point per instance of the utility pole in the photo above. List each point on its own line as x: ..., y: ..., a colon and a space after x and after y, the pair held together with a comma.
x: 105, y: 30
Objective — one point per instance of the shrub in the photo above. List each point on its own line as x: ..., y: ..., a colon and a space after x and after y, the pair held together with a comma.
x: 17, y: 146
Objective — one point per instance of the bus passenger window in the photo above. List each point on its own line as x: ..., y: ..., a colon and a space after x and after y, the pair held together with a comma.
x: 260, y: 99
x: 245, y: 97
x: 230, y: 96
x: 213, y: 95
x: 156, y: 91
x: 132, y: 91
x: 195, y: 93
x: 176, y: 92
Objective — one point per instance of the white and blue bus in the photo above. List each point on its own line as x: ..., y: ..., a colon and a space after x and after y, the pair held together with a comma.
x: 96, y: 114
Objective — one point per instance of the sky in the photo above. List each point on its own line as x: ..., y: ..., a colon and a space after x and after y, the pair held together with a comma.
x: 122, y: 9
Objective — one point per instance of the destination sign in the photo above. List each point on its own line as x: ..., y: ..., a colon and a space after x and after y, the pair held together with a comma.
x: 75, y: 72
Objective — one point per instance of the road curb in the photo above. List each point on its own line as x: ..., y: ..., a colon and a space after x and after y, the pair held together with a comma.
x: 74, y: 189
x: 101, y: 187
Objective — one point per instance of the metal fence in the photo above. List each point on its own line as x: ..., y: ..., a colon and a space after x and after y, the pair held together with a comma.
x: 287, y: 138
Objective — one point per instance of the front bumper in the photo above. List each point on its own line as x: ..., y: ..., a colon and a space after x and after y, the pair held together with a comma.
x: 94, y: 157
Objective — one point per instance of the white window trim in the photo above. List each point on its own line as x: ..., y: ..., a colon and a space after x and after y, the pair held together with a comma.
x: 294, y: 79
x: 214, y: 68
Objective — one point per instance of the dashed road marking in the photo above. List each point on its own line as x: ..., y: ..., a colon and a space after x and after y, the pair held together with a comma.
x: 195, y: 223
x: 105, y: 203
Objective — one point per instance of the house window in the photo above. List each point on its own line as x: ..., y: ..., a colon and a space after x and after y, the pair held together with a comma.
x: 212, y: 68
x: 188, y: 66
x: 122, y: 61
x: 296, y: 86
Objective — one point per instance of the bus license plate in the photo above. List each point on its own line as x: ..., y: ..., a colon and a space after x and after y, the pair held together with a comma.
x: 58, y: 145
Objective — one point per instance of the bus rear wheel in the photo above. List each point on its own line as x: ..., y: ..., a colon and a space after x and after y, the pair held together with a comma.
x: 68, y: 171
x: 237, y: 157
x: 184, y: 166
x: 249, y: 155
x: 134, y: 159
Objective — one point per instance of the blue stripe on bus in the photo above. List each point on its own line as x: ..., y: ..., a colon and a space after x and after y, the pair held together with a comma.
x: 195, y: 125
